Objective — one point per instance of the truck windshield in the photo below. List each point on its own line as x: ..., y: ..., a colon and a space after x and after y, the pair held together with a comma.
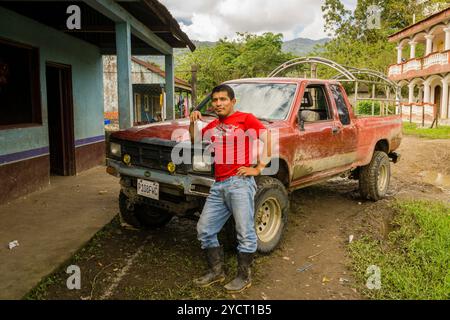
x: 270, y: 101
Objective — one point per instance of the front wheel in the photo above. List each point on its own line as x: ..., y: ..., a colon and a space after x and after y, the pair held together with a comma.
x: 374, y: 178
x: 271, y: 212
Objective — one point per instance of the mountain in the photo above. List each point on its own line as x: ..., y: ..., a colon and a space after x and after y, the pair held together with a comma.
x: 302, y: 46
x: 298, y: 46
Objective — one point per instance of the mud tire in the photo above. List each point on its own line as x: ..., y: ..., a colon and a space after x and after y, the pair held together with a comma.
x: 374, y: 178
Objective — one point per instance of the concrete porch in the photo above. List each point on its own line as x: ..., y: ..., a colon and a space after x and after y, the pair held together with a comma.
x: 51, y: 225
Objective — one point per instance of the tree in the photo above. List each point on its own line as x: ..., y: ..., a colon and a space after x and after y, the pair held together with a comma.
x: 248, y: 56
x: 356, y: 45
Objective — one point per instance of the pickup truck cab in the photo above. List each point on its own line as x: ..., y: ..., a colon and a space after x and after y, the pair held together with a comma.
x: 318, y: 137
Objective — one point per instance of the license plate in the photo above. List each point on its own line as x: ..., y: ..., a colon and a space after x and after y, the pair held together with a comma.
x: 149, y: 189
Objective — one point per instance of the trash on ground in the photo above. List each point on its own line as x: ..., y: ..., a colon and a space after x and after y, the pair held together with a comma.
x: 350, y: 238
x: 343, y: 280
x: 315, y: 255
x: 305, y: 267
x: 325, y: 279
x: 102, y: 192
x: 13, y: 244
x: 286, y: 258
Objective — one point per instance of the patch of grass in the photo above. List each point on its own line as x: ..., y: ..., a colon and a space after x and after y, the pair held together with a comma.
x: 414, y: 259
x: 441, y: 132
x: 40, y: 291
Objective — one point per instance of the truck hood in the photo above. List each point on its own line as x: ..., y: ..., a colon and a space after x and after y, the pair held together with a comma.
x: 175, y: 130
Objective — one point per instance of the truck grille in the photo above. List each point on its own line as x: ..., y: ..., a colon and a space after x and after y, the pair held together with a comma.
x: 150, y: 156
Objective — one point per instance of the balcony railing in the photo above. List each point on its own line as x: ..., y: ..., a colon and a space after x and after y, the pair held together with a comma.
x: 417, y: 64
x: 435, y: 58
x: 413, y: 64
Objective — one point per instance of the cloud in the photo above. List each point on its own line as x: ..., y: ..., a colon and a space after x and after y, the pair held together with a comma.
x: 209, y: 20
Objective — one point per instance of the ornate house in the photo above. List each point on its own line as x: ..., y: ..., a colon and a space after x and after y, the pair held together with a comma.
x: 427, y: 76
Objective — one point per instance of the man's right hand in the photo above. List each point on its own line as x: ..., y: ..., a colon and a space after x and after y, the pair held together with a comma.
x: 195, y: 115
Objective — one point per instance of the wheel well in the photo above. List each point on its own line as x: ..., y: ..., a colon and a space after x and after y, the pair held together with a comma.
x: 382, y: 145
x: 283, y: 172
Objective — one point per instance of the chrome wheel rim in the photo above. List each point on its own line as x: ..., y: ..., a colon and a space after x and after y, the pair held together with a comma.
x: 268, y: 219
x: 382, y: 177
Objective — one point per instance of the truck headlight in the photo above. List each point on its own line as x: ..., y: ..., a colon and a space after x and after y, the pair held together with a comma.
x: 115, y: 149
x: 201, y: 163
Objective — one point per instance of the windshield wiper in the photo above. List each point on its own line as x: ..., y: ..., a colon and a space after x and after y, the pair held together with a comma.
x: 267, y: 120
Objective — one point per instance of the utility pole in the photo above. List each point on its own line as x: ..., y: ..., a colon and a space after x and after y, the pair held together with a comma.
x: 313, y: 70
x: 194, y: 69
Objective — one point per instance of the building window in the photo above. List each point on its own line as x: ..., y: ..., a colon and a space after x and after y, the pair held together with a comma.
x: 20, y: 101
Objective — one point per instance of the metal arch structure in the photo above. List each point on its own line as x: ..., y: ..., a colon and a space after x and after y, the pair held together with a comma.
x: 352, y: 74
x: 304, y: 60
x: 367, y: 72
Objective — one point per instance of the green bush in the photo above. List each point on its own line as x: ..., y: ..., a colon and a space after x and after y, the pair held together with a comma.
x: 365, y: 108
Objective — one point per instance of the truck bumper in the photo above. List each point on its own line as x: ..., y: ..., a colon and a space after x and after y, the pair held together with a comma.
x: 193, y: 185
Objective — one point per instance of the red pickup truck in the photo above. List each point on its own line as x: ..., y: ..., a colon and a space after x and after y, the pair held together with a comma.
x: 319, y: 137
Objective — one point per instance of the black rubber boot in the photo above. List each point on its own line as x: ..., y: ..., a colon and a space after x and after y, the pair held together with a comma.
x: 214, y: 257
x: 243, y: 279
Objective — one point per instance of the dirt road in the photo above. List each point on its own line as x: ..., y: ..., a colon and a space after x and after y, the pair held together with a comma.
x: 311, y: 262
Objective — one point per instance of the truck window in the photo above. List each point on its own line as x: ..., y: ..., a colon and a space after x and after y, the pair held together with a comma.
x: 315, y: 106
x: 263, y: 100
x: 340, y: 104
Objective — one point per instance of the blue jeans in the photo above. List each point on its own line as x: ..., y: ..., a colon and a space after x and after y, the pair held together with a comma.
x: 233, y: 196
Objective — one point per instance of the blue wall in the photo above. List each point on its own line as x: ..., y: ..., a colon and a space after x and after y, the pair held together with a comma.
x: 87, y: 81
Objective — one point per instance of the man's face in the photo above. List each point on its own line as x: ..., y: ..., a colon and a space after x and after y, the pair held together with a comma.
x: 222, y: 104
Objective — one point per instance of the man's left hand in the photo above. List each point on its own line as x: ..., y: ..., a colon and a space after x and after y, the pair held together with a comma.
x: 248, y: 171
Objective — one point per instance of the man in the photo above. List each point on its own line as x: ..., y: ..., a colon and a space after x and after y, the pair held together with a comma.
x: 234, y: 188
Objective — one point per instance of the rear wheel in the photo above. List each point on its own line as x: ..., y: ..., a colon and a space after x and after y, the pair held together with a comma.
x: 374, y: 178
x: 142, y: 215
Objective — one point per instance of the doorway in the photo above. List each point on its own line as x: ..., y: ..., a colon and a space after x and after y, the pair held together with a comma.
x: 60, y: 119
x: 437, y: 100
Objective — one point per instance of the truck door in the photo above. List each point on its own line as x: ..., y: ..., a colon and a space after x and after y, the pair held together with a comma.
x: 345, y: 131
x: 316, y: 141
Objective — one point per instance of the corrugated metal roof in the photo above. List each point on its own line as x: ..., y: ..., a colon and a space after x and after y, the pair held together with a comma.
x: 157, y: 70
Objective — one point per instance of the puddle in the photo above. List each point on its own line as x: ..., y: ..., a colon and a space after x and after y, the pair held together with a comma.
x: 435, y: 178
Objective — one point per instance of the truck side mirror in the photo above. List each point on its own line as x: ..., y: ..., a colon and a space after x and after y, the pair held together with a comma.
x: 300, y: 120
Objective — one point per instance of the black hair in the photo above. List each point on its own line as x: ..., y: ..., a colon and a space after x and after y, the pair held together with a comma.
x: 224, y: 88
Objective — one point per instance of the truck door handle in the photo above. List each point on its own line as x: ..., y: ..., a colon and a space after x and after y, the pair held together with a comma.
x: 335, y: 130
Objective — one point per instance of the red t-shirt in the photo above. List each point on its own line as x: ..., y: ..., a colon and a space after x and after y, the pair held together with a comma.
x: 233, y: 139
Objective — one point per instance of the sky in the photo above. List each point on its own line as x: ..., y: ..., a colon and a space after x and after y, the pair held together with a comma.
x: 210, y: 20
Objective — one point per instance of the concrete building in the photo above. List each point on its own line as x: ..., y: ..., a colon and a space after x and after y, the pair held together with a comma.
x: 149, y: 93
x: 51, y: 81
x: 427, y: 76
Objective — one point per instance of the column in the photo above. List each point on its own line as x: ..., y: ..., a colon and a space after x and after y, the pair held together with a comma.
x: 170, y: 86
x: 429, y: 44
x: 399, y: 54
x: 421, y: 94
x: 124, y: 86
x: 412, y: 52
x: 447, y: 38
x: 427, y: 90
x: 411, y: 93
x: 444, y: 103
